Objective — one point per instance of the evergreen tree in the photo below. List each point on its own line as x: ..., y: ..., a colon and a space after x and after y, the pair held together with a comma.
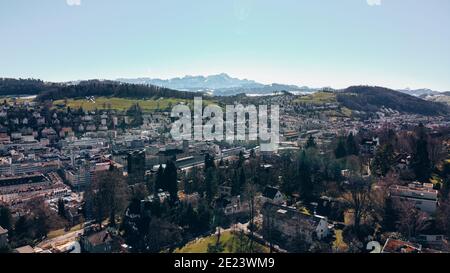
x: 159, y: 179
x: 5, y: 218
x: 351, y: 145
x: 383, y: 160
x: 390, y: 217
x: 340, y: 150
x: 235, y: 183
x: 211, y: 184
x: 171, y: 181
x: 209, y: 162
x: 421, y: 162
x: 310, y: 143
x: 241, y: 159
x: 61, y: 208
x: 304, y: 177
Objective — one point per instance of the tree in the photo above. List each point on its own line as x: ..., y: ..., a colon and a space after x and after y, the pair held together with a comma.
x: 411, y: 221
x: 61, y: 208
x: 421, y: 163
x: 5, y: 218
x: 241, y: 159
x: 384, y: 158
x: 109, y: 194
x: 340, y: 150
x: 161, y: 234
x: 159, y: 180
x: 135, y: 112
x: 211, y: 184
x: 42, y: 218
x: 304, y: 177
x: 390, y: 216
x: 445, y: 174
x: 357, y: 198
x: 310, y: 143
x: 138, y: 193
x: 171, y: 181
x: 209, y: 162
x: 351, y: 145
x: 443, y: 216
x: 250, y: 195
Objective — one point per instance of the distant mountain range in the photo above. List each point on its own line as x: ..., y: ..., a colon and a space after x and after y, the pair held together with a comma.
x: 224, y: 85
x: 220, y: 85
x: 419, y: 92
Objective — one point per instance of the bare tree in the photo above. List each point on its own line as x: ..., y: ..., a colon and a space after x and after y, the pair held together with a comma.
x: 411, y: 220
x: 443, y: 216
x: 358, y: 198
x: 250, y: 195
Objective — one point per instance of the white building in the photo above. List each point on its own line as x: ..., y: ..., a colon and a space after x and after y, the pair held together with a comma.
x: 423, y: 196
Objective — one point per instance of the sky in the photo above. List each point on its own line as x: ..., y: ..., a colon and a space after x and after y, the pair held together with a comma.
x: 317, y: 43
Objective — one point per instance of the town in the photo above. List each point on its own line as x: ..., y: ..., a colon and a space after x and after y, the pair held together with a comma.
x: 101, y: 179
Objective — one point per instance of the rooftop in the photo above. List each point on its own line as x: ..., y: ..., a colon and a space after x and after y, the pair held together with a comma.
x: 270, y: 192
x: 3, y: 231
x: 398, y: 246
x: 24, y: 249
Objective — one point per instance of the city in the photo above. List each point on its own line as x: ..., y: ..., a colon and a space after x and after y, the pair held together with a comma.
x: 106, y: 180
x: 224, y: 136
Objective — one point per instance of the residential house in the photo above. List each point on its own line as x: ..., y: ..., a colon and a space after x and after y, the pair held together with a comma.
x: 98, y: 242
x: 291, y: 223
x: 398, y: 246
x: 272, y: 195
x: 234, y: 205
x: 24, y: 250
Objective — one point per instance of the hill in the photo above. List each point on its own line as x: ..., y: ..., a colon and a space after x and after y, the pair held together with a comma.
x: 97, y: 88
x: 23, y: 87
x: 111, y: 89
x: 373, y: 98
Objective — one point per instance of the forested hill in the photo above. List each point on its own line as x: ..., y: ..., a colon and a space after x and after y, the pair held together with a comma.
x: 112, y: 89
x: 56, y: 91
x: 23, y: 86
x: 372, y: 99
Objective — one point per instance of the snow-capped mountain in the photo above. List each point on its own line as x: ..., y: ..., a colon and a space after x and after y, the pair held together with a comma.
x: 220, y: 84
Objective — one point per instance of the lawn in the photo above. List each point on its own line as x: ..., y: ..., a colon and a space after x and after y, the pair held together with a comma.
x: 122, y: 104
x: 317, y: 98
x: 56, y: 233
x: 339, y: 243
x: 229, y: 241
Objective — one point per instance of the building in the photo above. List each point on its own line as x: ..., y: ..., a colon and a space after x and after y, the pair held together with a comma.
x: 79, y: 177
x: 24, y: 250
x: 423, y: 196
x: 291, y: 223
x: 98, y: 242
x: 234, y: 205
x: 398, y: 246
x: 369, y: 146
x: 273, y: 195
x: 136, y: 165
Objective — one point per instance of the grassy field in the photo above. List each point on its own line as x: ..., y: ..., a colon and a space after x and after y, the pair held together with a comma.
x: 19, y: 100
x: 317, y: 98
x: 122, y: 104
x: 229, y: 241
x: 56, y: 233
x: 339, y: 243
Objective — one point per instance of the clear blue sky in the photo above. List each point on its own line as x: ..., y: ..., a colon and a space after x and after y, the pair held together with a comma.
x: 393, y: 43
